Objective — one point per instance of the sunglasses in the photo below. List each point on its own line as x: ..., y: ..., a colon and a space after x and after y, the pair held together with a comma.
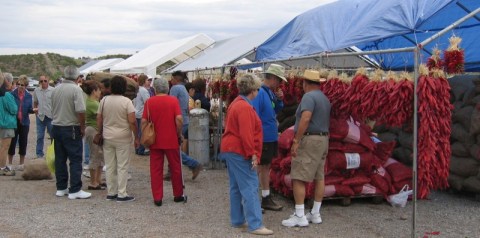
x: 23, y: 85
x: 43, y: 81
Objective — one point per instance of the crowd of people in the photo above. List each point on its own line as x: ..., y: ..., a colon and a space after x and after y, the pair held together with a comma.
x: 76, y: 113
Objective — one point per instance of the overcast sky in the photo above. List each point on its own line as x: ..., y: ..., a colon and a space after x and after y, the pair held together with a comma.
x: 98, y: 27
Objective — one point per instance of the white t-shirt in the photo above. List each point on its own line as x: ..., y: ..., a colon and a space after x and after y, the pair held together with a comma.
x: 115, y: 118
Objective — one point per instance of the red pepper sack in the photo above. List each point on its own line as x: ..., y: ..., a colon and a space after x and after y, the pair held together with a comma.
x: 337, y: 160
x: 275, y: 180
x: 384, y: 150
x: 365, y: 189
x: 286, y: 165
x: 287, y: 181
x: 285, y: 139
x: 382, y: 180
x: 351, y: 131
x: 397, y: 170
x: 358, y: 179
x: 329, y: 191
x: 275, y: 165
x: 333, y: 179
x: 343, y: 190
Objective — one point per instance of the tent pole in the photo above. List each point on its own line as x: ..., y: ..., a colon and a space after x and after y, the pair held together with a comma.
x: 218, y: 134
x: 450, y: 27
x: 416, y: 57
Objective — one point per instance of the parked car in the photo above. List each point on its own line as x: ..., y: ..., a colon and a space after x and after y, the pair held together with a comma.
x: 32, y: 84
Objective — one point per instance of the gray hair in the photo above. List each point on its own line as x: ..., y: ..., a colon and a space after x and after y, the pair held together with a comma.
x: 247, y: 83
x: 160, y: 85
x: 71, y: 72
x: 8, y: 77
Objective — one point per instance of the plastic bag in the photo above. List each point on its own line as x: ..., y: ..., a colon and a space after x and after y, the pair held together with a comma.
x: 400, y: 199
x: 50, y: 158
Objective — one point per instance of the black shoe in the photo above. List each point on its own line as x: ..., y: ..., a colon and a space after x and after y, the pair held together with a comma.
x: 125, y: 199
x: 269, y: 204
x: 158, y: 203
x: 112, y: 197
x: 181, y: 199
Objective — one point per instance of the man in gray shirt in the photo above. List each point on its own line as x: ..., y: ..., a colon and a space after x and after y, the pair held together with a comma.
x: 68, y: 111
x: 42, y: 106
x: 309, y: 149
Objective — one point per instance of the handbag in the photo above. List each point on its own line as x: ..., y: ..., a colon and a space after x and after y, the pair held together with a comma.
x: 98, y: 138
x: 148, y: 131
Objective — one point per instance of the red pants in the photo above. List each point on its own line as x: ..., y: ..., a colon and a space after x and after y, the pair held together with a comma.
x: 156, y: 172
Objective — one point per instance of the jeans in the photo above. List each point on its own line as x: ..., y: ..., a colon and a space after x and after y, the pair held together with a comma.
x: 68, y: 145
x: 140, y: 150
x: 189, y: 161
x: 41, y: 126
x: 86, y: 153
x: 244, y: 200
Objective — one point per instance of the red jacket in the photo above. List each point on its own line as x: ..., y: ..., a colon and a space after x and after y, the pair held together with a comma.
x: 243, y: 130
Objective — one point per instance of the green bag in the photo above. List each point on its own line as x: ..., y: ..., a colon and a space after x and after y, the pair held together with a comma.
x: 50, y: 158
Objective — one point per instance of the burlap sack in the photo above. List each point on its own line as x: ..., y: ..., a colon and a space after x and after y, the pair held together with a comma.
x: 472, y: 184
x: 475, y: 121
x: 36, y: 170
x: 403, y: 155
x: 457, y: 106
x: 458, y: 91
x: 455, y: 181
x: 459, y: 150
x: 132, y: 86
x: 460, y: 134
x: 464, y: 166
x: 475, y: 152
x: 405, y: 139
x: 387, y: 136
x: 463, y: 116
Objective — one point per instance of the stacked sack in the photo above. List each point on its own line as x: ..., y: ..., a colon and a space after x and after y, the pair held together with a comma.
x: 355, y: 164
x: 465, y: 137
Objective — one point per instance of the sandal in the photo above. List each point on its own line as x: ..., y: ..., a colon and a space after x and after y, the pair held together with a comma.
x: 98, y: 187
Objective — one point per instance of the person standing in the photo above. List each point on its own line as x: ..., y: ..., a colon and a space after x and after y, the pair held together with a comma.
x: 267, y: 104
x: 42, y: 106
x: 68, y: 112
x: 179, y: 91
x: 309, y: 149
x: 241, y: 148
x: 24, y: 103
x: 8, y: 121
x: 142, y: 96
x: 164, y: 111
x: 116, y: 122
x: 92, y: 90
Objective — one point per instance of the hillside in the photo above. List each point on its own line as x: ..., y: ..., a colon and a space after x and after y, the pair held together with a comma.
x: 36, y: 64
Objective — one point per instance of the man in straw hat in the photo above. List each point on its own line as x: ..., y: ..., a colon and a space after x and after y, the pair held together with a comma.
x: 267, y: 103
x: 309, y: 149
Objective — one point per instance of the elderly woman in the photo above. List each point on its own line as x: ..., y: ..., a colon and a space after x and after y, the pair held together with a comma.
x: 242, y: 148
x: 8, y: 121
x: 92, y: 89
x: 116, y: 114
x: 24, y: 101
x: 165, y: 113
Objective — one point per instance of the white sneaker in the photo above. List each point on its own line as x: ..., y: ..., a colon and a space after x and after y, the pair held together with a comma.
x: 86, y: 167
x: 104, y: 169
x: 20, y: 167
x: 314, y: 218
x: 86, y: 174
x: 61, y: 193
x: 294, y: 220
x: 79, y: 195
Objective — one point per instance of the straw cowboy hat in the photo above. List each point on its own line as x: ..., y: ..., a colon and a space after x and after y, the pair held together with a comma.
x: 277, y: 70
x: 314, y: 76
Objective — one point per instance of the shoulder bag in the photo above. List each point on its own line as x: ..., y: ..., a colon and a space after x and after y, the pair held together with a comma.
x: 148, y: 131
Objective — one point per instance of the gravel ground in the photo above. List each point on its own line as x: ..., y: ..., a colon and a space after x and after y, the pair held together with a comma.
x: 31, y: 209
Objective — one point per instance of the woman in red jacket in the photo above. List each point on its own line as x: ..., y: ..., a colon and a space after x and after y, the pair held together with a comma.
x: 242, y: 148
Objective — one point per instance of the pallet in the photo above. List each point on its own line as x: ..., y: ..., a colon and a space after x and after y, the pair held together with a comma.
x: 346, y: 201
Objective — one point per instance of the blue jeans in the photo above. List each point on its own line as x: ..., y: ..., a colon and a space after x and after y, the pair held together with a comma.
x: 244, y: 201
x: 41, y: 126
x: 140, y: 150
x: 189, y: 161
x: 68, y: 146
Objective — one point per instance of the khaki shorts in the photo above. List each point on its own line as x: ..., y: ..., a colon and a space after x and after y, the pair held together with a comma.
x: 310, y: 160
x: 96, y: 152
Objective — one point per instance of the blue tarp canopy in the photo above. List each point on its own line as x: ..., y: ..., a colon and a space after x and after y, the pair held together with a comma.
x: 377, y: 25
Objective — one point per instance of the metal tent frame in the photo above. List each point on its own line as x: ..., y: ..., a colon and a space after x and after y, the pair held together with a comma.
x: 416, y: 55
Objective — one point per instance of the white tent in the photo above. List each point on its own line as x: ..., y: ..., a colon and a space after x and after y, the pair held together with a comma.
x: 147, y: 60
x: 101, y: 65
x: 226, y: 51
